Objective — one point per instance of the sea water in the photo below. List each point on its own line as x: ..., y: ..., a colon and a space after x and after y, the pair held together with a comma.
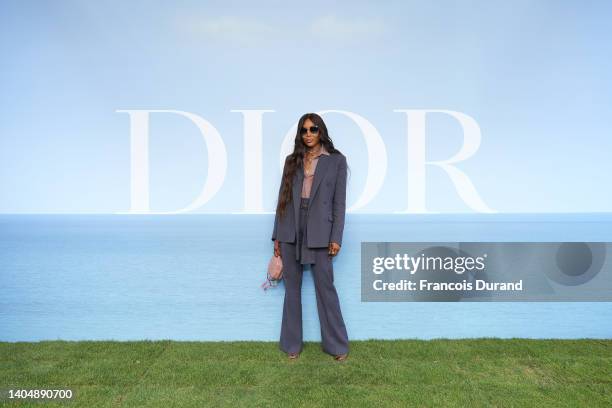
x: 198, y: 277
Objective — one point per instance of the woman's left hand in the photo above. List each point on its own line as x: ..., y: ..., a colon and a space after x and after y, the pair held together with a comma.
x: 334, y: 248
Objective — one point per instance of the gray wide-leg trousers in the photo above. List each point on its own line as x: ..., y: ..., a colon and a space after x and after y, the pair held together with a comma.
x: 334, y: 338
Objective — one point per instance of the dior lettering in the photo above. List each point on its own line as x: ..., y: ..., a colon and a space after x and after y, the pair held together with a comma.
x: 253, y: 141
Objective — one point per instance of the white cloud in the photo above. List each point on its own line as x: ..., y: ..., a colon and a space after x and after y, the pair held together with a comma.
x: 332, y: 28
x: 327, y: 29
x: 236, y: 30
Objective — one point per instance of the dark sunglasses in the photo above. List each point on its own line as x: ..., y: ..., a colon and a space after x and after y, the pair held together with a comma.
x: 313, y: 129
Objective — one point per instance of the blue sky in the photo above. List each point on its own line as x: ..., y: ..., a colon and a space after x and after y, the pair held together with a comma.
x: 535, y: 75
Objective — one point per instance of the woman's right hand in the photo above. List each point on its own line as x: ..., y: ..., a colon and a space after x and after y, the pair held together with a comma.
x: 276, y: 248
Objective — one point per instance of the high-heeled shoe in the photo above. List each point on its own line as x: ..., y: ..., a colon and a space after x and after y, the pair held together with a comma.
x: 293, y: 356
x: 341, y: 357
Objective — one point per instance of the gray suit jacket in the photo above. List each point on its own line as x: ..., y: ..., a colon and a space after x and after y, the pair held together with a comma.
x: 327, y: 204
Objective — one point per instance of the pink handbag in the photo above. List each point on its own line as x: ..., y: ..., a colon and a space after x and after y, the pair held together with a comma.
x: 275, y: 272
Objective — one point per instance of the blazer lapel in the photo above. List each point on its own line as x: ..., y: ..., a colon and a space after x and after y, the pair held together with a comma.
x: 320, y: 170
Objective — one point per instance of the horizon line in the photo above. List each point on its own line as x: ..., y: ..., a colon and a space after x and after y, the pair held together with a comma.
x: 347, y: 213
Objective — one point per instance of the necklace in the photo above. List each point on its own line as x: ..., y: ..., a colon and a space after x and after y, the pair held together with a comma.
x: 310, y: 154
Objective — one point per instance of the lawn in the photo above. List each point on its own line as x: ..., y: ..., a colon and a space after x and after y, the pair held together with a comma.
x: 378, y: 373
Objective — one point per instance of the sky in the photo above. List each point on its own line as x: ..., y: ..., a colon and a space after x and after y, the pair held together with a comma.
x: 534, y: 75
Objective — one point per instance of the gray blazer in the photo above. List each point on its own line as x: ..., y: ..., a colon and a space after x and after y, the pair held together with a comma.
x: 327, y: 204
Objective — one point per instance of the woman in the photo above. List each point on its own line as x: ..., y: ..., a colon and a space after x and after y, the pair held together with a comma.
x: 308, y: 229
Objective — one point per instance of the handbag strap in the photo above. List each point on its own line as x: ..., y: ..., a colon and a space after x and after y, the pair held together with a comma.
x: 269, y: 283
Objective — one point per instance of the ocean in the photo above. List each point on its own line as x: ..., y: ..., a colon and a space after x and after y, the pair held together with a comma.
x: 198, y: 277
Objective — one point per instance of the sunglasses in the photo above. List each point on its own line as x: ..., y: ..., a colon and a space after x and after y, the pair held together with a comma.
x: 313, y: 129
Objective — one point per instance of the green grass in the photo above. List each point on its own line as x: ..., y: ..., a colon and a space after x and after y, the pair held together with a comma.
x: 378, y: 373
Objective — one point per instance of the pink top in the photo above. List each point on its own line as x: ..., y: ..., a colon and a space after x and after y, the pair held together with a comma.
x: 308, y: 178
